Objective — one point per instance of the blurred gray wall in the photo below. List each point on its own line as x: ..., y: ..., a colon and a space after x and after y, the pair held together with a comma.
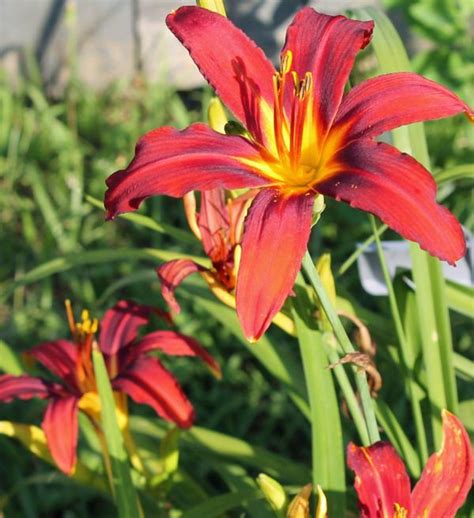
x: 116, y: 38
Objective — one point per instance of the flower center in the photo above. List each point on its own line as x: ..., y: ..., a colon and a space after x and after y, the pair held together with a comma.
x: 83, y: 334
x: 293, y: 124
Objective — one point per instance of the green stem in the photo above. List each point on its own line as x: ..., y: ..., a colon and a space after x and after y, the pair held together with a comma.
x: 345, y: 343
x: 406, y: 364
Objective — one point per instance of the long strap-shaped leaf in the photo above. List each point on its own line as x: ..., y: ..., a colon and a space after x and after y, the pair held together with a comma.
x: 431, y: 299
x: 326, y: 432
x: 126, y: 497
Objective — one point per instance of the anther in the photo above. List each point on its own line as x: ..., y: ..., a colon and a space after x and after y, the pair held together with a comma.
x: 286, y: 62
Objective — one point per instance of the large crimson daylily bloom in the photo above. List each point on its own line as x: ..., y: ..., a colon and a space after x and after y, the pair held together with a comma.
x: 303, y: 137
x: 219, y: 226
x: 383, y: 486
x: 132, y: 373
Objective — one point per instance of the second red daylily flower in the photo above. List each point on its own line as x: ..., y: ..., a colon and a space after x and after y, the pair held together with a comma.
x: 131, y: 371
x: 303, y: 137
x: 383, y: 486
x: 219, y: 226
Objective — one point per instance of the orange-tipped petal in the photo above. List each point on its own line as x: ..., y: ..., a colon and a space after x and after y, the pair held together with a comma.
x: 388, y: 101
x: 60, y: 424
x: 232, y: 63
x: 172, y: 343
x: 317, y: 42
x: 120, y: 325
x: 172, y: 162
x: 381, y: 481
x: 447, y: 476
x: 146, y: 381
x: 276, y: 234
x: 376, y: 177
x: 171, y: 275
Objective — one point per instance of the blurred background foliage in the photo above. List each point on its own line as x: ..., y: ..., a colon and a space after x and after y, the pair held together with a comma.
x: 55, y: 151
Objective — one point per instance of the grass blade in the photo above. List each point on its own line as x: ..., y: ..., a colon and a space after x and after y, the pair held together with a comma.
x: 126, y: 496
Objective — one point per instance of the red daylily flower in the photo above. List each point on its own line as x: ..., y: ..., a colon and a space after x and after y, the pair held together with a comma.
x: 219, y: 227
x: 383, y: 486
x: 303, y: 137
x: 132, y: 373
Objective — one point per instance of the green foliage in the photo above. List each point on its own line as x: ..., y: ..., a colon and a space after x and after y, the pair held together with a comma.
x: 55, y: 155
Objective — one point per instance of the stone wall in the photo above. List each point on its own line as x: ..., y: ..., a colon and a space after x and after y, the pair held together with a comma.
x: 114, y: 38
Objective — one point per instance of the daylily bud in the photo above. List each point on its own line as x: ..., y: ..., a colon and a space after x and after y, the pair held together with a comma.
x: 318, y: 208
x: 299, y: 506
x: 216, y: 115
x: 322, y: 509
x: 323, y: 266
x: 273, y: 492
x: 213, y: 5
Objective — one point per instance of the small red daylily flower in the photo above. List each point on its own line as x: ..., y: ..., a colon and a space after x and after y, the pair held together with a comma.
x: 219, y: 226
x: 132, y: 373
x: 383, y: 486
x: 304, y: 137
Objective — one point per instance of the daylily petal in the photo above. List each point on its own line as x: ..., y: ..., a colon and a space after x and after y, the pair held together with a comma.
x: 172, y: 162
x: 214, y: 224
x: 377, y: 178
x: 232, y: 63
x: 447, y: 476
x: 172, y: 343
x: 147, y: 381
x: 326, y: 46
x: 120, y: 325
x: 60, y: 424
x: 22, y: 387
x: 388, y: 101
x: 59, y: 357
x: 381, y: 480
x: 276, y: 233
x: 171, y: 275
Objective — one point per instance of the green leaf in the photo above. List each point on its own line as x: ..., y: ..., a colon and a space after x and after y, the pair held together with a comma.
x: 460, y: 298
x: 9, y: 361
x: 397, y: 437
x: 150, y: 223
x: 67, y: 262
x: 125, y: 494
x: 276, y: 359
x: 218, y: 505
x: 209, y: 443
x: 326, y: 432
x: 430, y: 287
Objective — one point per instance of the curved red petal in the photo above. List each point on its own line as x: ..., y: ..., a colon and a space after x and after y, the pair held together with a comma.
x: 214, y: 224
x: 147, y: 381
x: 172, y: 162
x: 326, y: 46
x: 388, y: 101
x: 120, y: 325
x: 381, y: 480
x: 231, y: 62
x: 22, y: 387
x: 447, y: 476
x: 171, y: 275
x: 172, y: 343
x: 275, y: 237
x: 59, y: 357
x: 60, y: 425
x: 377, y: 178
